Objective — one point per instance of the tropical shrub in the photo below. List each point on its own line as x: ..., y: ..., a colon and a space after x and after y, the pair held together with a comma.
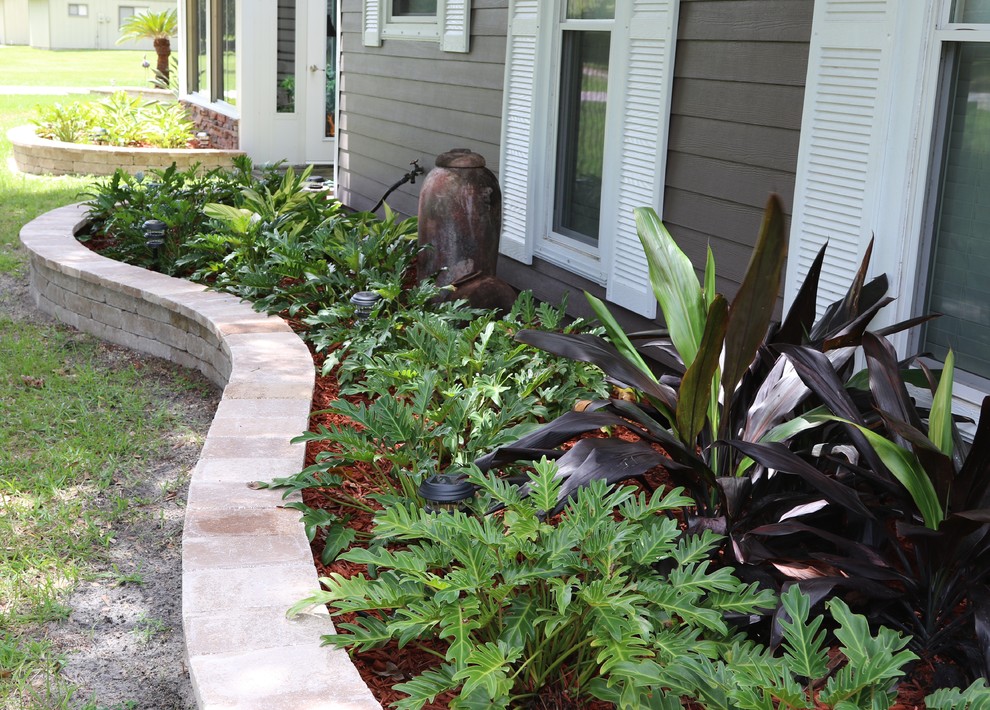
x: 596, y: 603
x: 723, y: 382
x: 924, y: 559
x: 159, y: 27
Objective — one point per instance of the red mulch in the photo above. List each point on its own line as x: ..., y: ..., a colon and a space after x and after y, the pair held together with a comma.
x: 386, y: 667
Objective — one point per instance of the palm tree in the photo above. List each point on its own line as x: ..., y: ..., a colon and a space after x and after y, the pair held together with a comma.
x: 157, y: 26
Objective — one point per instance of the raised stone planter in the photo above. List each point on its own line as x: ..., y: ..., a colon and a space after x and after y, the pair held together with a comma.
x: 41, y: 156
x: 245, y: 560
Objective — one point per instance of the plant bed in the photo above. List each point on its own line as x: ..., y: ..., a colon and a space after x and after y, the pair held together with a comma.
x: 561, y: 572
x: 41, y: 156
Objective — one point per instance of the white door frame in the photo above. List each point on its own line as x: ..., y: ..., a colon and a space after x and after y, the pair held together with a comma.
x: 317, y: 147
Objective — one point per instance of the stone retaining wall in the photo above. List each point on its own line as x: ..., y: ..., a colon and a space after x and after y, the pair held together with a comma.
x: 245, y: 559
x: 41, y: 156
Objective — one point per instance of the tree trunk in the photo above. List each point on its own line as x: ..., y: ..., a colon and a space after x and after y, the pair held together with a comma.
x: 163, y: 48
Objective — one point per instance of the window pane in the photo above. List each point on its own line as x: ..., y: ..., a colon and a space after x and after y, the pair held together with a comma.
x: 581, y: 134
x: 199, y: 69
x: 590, y: 9
x: 958, y: 286
x: 971, y: 11
x: 285, y: 77
x: 228, y: 54
x: 414, y: 8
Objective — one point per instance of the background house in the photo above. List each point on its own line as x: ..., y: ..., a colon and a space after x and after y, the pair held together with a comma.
x: 61, y: 24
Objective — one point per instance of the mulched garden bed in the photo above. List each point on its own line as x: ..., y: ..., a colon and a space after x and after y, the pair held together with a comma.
x: 386, y: 667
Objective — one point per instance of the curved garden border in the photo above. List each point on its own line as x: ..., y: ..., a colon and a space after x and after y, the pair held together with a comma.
x: 41, y: 156
x: 245, y: 560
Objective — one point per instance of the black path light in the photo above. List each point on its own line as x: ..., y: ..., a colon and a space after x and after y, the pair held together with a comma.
x: 154, y: 236
x: 316, y: 183
x: 364, y: 303
x: 446, y: 492
x: 100, y: 135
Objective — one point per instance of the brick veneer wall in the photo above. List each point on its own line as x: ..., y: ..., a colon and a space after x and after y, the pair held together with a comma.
x: 245, y: 558
x: 41, y: 156
x: 223, y: 130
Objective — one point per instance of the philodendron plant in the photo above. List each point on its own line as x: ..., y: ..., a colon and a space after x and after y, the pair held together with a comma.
x: 595, y: 604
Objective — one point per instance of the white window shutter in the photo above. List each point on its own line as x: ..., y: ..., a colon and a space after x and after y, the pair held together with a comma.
x: 843, y: 135
x: 644, y: 97
x: 373, y: 23
x: 455, y: 25
x: 517, y: 155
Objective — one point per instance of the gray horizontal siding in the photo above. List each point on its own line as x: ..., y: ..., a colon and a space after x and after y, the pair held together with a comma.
x: 734, y: 128
x: 735, y: 123
x: 407, y: 100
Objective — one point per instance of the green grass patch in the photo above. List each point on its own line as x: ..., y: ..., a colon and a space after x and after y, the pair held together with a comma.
x: 78, y: 430
x: 71, y: 426
x: 24, y: 197
x: 27, y: 66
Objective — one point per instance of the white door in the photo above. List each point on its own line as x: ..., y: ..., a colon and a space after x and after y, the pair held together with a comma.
x: 321, y: 81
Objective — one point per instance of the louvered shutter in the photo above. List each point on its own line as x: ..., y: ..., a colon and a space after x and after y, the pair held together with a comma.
x: 372, y: 23
x: 648, y: 45
x: 455, y: 25
x: 516, y: 160
x: 840, y: 160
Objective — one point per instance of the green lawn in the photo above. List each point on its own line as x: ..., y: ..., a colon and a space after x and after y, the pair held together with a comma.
x: 26, y: 66
x: 73, y: 430
x: 24, y: 197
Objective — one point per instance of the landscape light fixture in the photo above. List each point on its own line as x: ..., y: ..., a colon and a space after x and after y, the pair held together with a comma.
x: 364, y: 303
x: 154, y: 236
x: 99, y: 135
x: 203, y: 139
x: 446, y: 492
x: 316, y: 183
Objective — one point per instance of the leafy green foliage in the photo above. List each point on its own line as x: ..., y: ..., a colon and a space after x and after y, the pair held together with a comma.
x: 975, y: 697
x: 749, y: 677
x: 121, y: 203
x: 518, y: 598
x: 71, y: 123
x: 126, y: 120
x: 458, y: 385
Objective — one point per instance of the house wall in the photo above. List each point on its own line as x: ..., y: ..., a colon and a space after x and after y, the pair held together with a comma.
x: 739, y: 75
x: 739, y: 71
x: 398, y: 104
x: 735, y: 124
x: 39, y: 29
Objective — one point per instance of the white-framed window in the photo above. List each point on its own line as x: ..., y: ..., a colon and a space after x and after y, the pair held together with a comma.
x: 444, y: 21
x: 891, y: 150
x: 955, y: 251
x: 78, y: 10
x: 126, y: 11
x: 211, y: 49
x: 584, y: 136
